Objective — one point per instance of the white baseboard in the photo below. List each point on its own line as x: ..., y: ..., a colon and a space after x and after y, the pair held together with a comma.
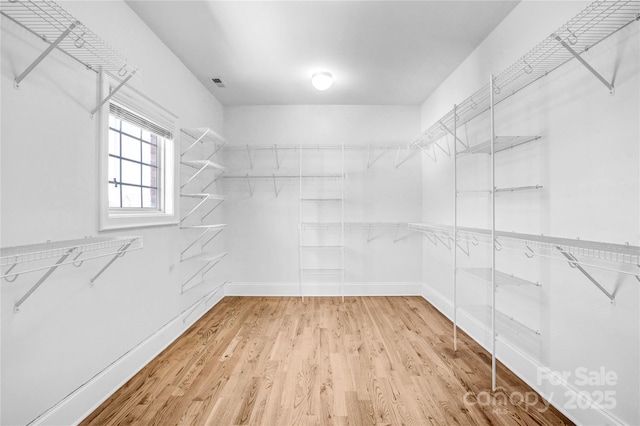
x: 323, y: 289
x: 76, y: 406
x: 526, y: 368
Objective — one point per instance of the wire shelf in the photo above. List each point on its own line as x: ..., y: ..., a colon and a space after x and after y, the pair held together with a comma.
x: 34, y: 252
x: 291, y: 147
x: 322, y: 271
x: 48, y: 21
x: 595, y: 23
x: 207, y: 196
x: 284, y: 176
x: 203, y: 164
x: 352, y: 225
x: 498, y: 190
x: 209, y: 227
x: 620, y: 253
x: 203, y: 135
x: 501, y: 143
x: 502, y: 278
x: 206, y: 257
x: 481, y: 315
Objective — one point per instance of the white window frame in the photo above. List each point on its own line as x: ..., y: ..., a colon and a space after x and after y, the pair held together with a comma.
x: 167, y: 212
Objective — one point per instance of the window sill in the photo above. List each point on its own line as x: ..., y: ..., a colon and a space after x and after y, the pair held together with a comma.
x: 137, y: 220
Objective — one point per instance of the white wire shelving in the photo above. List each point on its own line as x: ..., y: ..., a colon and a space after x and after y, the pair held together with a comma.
x: 315, y: 253
x: 209, y: 143
x: 505, y: 324
x: 618, y: 253
x: 498, y: 190
x: 595, y: 23
x: 501, y: 143
x: 371, y: 148
x: 202, y: 135
x: 275, y: 177
x: 502, y: 278
x: 539, y: 245
x: 370, y: 227
x: 204, y: 198
x: 60, y: 30
x: 51, y: 255
x: 209, y: 261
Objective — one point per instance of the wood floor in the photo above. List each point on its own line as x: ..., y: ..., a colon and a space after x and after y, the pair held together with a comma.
x: 278, y: 361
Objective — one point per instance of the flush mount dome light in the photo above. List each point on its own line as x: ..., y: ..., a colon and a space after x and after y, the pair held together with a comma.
x: 322, y: 80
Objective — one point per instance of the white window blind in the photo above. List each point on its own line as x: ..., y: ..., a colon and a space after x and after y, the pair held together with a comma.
x: 133, y: 118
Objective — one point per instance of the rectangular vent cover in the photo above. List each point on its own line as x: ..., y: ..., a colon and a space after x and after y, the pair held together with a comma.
x: 218, y: 82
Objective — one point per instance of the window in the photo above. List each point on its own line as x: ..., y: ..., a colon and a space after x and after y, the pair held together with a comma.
x: 137, y: 163
x: 134, y: 154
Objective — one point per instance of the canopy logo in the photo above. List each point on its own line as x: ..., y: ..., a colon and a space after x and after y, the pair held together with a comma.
x: 501, y: 400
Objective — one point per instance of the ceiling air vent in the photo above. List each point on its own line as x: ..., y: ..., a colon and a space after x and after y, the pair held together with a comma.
x: 218, y: 81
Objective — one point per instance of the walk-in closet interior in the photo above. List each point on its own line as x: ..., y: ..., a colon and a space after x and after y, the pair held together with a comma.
x: 320, y: 212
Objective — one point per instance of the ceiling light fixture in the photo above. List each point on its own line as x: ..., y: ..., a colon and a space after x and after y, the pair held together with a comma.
x: 322, y: 80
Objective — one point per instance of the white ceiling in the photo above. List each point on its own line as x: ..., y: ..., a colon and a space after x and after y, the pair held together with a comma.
x: 380, y: 52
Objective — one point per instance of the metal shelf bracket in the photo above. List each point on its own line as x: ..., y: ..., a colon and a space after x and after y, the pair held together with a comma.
x: 574, y: 263
x: 396, y: 238
x: 249, y: 185
x: 576, y: 55
x: 215, y: 179
x: 370, y: 162
x: 194, y: 143
x: 465, y: 250
x: 202, y: 272
x: 456, y: 138
x: 120, y: 253
x: 205, y: 232
x: 446, y: 242
x: 275, y: 153
x: 50, y: 271
x: 111, y: 93
x: 275, y: 186
x: 212, y: 210
x: 447, y: 151
x: 400, y: 163
x: 249, y: 157
x: 43, y: 55
x: 431, y: 155
x: 369, y: 239
x: 204, y: 299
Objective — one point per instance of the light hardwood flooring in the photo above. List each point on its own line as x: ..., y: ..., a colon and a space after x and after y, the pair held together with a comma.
x: 279, y: 361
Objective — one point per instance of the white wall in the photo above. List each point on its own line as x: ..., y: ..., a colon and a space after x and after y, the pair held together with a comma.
x: 67, y: 332
x: 263, y: 229
x: 587, y: 161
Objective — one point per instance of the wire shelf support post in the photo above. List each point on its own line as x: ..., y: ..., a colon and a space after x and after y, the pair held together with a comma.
x: 455, y: 229
x: 493, y: 232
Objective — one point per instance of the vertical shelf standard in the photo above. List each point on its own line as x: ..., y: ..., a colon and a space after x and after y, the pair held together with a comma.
x: 320, y: 247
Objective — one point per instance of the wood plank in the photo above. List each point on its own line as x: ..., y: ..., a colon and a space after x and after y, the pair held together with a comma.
x: 281, y: 361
